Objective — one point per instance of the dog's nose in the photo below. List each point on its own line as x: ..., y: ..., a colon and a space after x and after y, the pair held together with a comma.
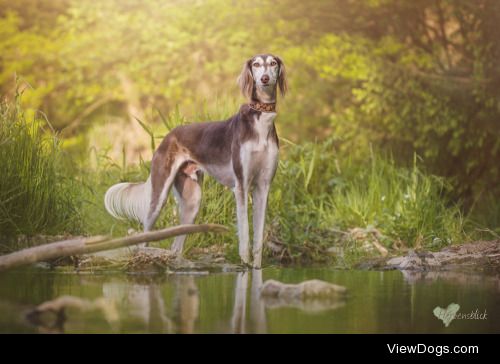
x: 265, y: 79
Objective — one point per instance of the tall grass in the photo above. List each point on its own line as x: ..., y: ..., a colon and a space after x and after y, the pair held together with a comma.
x: 318, y: 198
x: 35, y: 195
x: 315, y: 200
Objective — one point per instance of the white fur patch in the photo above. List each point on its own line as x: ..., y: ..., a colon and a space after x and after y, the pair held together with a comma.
x: 128, y: 200
x: 263, y: 126
x: 259, y: 157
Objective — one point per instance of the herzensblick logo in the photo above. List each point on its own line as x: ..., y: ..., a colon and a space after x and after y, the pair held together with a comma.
x: 447, y: 314
x: 450, y: 313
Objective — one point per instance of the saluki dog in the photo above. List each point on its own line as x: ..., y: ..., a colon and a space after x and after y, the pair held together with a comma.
x: 240, y: 152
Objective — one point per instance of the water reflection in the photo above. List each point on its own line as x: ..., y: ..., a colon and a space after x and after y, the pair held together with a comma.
x: 145, y: 302
x: 257, y: 307
x: 240, y: 304
x: 186, y: 305
x: 389, y: 301
x: 461, y: 278
x: 317, y: 305
x: 47, y: 323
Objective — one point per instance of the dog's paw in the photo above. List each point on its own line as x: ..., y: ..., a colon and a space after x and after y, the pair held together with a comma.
x: 246, y: 265
x: 257, y: 260
x: 256, y: 266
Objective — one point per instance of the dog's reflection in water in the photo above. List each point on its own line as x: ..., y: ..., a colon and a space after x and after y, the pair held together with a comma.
x: 186, y: 305
x: 258, y: 322
x: 172, y: 305
x: 146, y: 303
x: 258, y: 305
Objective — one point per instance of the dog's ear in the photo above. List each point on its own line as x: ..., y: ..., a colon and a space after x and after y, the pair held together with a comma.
x: 245, y: 80
x: 282, y: 81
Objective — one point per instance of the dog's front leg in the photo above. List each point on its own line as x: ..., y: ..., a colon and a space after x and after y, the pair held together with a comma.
x: 241, y: 196
x: 259, y: 196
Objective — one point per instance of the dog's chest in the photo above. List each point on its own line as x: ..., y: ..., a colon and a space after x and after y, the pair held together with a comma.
x: 263, y: 127
x: 259, y: 155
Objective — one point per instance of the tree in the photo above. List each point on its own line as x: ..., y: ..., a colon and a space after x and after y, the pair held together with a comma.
x: 401, y: 76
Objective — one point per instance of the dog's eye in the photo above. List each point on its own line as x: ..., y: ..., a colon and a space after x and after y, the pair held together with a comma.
x: 274, y: 63
x: 256, y: 64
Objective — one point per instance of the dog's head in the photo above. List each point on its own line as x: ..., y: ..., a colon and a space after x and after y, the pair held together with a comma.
x: 264, y: 71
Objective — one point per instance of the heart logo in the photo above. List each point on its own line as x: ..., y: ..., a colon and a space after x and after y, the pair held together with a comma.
x: 446, y: 315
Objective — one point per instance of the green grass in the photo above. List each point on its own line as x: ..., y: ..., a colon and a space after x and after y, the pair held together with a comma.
x: 36, y: 196
x: 405, y: 204
x: 318, y: 199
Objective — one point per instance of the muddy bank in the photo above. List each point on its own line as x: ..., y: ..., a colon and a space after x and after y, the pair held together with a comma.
x: 477, y: 257
x: 480, y: 257
x: 145, y: 260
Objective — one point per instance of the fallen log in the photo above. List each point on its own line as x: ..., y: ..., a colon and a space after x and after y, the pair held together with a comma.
x: 97, y: 243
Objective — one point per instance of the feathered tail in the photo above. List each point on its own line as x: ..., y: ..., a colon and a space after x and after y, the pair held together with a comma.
x: 129, y: 200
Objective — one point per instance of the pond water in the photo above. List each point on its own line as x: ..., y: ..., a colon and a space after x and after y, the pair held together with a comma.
x: 378, y: 302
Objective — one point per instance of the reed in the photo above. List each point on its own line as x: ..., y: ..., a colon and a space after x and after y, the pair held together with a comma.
x: 36, y: 196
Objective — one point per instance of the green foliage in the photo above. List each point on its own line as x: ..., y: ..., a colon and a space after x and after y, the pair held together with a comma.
x: 406, y: 205
x: 315, y: 200
x: 318, y: 198
x: 401, y: 108
x: 35, y: 194
x: 408, y: 78
x: 403, y: 76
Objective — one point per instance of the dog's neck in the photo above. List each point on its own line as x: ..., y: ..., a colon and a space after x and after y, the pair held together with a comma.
x: 262, y: 106
x: 263, y: 99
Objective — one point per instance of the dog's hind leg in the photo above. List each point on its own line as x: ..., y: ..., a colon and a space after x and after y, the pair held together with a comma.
x: 187, y: 191
x: 164, y: 167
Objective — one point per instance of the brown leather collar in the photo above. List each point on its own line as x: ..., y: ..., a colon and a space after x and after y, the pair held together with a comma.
x: 260, y: 106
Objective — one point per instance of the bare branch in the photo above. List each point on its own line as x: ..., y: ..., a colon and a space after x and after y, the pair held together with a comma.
x: 97, y: 243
